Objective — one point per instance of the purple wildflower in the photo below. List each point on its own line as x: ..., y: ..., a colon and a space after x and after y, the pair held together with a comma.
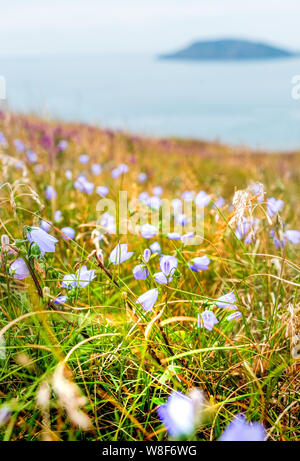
x: 68, y: 233
x: 18, y: 269
x: 227, y: 301
x: 50, y: 193
x: 45, y: 241
x: 148, y: 299
x: 208, y: 320
x: 239, y: 430
x: 102, y: 191
x: 120, y: 254
x: 273, y: 206
x: 140, y: 272
x: 200, y: 263
x: 148, y: 231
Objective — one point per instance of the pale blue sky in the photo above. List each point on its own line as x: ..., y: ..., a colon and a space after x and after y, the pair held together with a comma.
x: 39, y: 27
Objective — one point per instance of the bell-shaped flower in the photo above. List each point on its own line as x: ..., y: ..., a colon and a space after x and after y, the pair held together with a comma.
x: 200, y: 263
x: 148, y: 299
x: 146, y: 255
x: 120, y: 254
x: 18, y: 269
x: 155, y: 247
x: 239, y: 430
x: 207, y: 319
x: 96, y: 169
x: 273, y: 206
x: 84, y: 277
x: 50, y: 193
x: 202, y: 199
x: 148, y: 231
x: 140, y: 272
x: 181, y: 414
x: 102, y: 191
x: 69, y: 281
x: 227, y: 301
x: 44, y: 240
x: 234, y: 316
x: 293, y: 236
x: 68, y: 233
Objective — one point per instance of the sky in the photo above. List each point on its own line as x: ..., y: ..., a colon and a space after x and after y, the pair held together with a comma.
x: 51, y: 27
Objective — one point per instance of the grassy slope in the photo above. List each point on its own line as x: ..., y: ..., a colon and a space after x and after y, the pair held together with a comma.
x: 242, y: 366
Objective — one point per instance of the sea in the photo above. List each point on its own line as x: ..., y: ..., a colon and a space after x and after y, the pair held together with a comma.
x: 244, y: 103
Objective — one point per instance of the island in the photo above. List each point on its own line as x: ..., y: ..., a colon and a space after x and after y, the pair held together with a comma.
x: 229, y: 49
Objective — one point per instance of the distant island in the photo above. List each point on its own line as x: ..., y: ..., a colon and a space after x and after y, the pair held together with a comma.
x: 229, y: 49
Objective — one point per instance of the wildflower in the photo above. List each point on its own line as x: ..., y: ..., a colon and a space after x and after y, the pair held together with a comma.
x: 45, y: 225
x: 142, y: 177
x: 84, y: 185
x: 60, y: 300
x: 154, y: 202
x: 19, y: 145
x: 57, y: 216
x: 68, y: 174
x: 181, y: 413
x: 19, y: 165
x: 84, y: 159
x: 69, y: 281
x: 234, y: 316
x: 239, y: 430
x: 182, y: 219
x: 31, y: 156
x: 200, y: 263
x: 148, y: 231
x: 68, y: 233
x: 258, y: 190
x: 2, y: 139
x: 146, y: 255
x: 227, y: 301
x: 273, y: 206
x: 140, y: 272
x: 108, y: 222
x: 188, y: 195
x: 202, y: 199
x: 148, y: 299
x: 143, y: 196
x: 96, y: 169
x: 167, y: 261
x: 219, y: 203
x: 157, y: 191
x: 5, y: 414
x: 247, y: 229
x: 120, y: 254
x: 50, y: 193
x: 207, y: 319
x: 168, y: 265
x: 174, y: 236
x: 186, y: 237
x: 84, y: 276
x: 18, y: 269
x: 45, y: 241
x: 102, y: 191
x: 155, y: 247
x: 293, y: 236
x: 5, y: 247
x: 62, y: 145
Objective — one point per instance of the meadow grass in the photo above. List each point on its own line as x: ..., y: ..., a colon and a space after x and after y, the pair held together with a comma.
x: 98, y: 366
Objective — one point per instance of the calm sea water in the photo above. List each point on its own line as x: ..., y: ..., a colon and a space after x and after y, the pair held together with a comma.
x: 237, y: 102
